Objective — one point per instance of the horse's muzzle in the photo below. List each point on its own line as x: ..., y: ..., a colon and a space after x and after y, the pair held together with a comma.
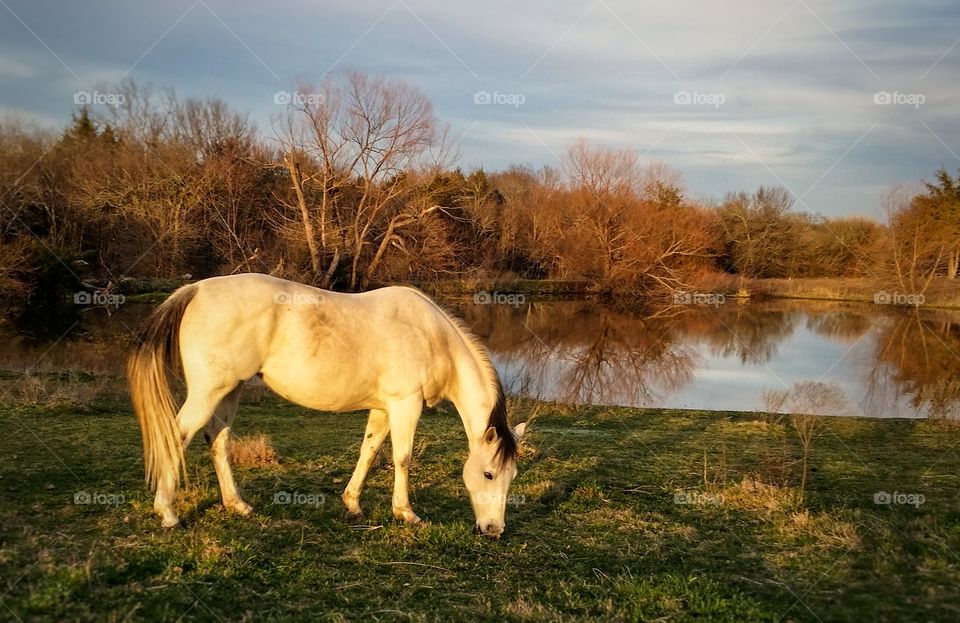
x: 492, y: 531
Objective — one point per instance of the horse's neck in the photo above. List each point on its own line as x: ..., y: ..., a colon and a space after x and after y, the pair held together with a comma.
x: 474, y: 397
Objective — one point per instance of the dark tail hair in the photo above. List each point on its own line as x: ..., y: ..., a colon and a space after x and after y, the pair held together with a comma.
x: 156, y: 353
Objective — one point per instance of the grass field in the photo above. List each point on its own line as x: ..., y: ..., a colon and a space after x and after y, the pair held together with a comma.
x: 618, y: 514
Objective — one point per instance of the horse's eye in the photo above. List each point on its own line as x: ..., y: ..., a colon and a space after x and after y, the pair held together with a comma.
x: 488, y: 475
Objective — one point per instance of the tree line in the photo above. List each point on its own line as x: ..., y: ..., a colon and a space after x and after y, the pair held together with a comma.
x: 355, y: 185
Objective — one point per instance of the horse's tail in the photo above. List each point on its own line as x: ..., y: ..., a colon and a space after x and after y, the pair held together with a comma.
x: 156, y: 354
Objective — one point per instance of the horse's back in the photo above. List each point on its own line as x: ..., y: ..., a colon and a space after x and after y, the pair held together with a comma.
x: 324, y: 349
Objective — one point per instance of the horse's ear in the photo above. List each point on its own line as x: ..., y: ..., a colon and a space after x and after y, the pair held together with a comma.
x: 490, y: 437
x: 518, y: 430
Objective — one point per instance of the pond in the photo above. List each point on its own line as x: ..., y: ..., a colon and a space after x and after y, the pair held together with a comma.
x: 828, y: 358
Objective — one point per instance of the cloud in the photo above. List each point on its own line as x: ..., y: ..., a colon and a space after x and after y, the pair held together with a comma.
x: 11, y: 68
x: 798, y: 79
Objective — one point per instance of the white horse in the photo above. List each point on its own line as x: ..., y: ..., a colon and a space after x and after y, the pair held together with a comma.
x: 389, y: 351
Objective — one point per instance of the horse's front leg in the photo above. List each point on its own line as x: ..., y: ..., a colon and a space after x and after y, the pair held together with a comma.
x: 403, y: 416
x: 377, y: 428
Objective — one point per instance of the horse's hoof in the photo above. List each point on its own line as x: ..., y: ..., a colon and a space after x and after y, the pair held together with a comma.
x: 408, y: 517
x: 241, y: 508
x: 176, y: 525
x: 353, y: 516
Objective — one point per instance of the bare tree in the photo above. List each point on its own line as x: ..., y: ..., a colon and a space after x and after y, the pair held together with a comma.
x: 351, y: 148
x: 807, y: 402
x: 757, y: 232
x: 626, y: 226
x: 916, y: 248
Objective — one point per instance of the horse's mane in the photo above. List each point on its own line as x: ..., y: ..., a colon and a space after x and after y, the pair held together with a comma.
x: 507, y: 450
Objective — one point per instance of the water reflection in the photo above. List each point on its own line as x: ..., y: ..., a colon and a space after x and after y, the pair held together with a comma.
x: 586, y: 353
x: 883, y: 361
x: 917, y: 355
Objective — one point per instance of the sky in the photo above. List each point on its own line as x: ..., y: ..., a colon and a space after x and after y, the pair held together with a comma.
x: 837, y: 102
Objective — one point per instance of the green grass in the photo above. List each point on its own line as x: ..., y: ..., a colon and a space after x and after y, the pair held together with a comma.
x: 595, y: 532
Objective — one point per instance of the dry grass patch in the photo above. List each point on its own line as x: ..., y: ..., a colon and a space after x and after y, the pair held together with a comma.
x: 253, y: 451
x: 529, y: 610
x: 526, y: 449
x: 66, y: 389
x: 210, y: 551
x: 826, y: 531
x: 751, y: 494
x: 541, y: 489
x: 758, y: 426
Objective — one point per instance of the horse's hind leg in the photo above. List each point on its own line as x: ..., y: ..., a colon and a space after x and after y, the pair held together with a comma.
x: 194, y: 414
x: 217, y: 435
x: 377, y: 428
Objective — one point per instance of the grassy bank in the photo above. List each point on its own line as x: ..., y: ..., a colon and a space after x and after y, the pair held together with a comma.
x: 942, y: 293
x: 620, y: 514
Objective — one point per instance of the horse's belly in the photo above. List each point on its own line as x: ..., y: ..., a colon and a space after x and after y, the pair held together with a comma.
x: 323, y: 390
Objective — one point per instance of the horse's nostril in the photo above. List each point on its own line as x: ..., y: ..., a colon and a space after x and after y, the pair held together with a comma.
x: 494, y: 530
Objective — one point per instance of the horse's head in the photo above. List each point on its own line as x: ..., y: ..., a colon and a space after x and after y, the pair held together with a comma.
x: 488, y: 472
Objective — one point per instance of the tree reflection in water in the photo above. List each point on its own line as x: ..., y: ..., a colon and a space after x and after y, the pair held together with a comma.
x: 895, y: 361
x: 634, y: 354
x: 917, y: 354
x: 586, y: 352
